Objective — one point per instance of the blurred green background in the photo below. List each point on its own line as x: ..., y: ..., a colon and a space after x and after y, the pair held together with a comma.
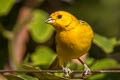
x: 25, y: 38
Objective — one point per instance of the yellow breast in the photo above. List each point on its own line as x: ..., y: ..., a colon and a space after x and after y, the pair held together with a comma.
x: 75, y: 42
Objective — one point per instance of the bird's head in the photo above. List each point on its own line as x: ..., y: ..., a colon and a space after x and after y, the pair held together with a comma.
x: 61, y: 20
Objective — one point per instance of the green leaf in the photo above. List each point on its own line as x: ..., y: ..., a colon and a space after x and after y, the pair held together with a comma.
x: 19, y: 77
x: 103, y: 63
x: 12, y: 77
x: 97, y: 77
x: 39, y: 30
x: 5, y: 6
x: 26, y: 77
x: 43, y: 56
x: 104, y: 43
x: 89, y: 60
x: 43, y: 76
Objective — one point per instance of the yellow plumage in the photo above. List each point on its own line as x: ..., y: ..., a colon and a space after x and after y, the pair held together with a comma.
x: 73, y: 37
x: 73, y: 43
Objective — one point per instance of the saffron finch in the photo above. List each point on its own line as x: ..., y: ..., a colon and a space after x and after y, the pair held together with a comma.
x: 73, y: 38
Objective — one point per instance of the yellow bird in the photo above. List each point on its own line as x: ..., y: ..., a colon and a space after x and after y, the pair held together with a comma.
x: 73, y: 38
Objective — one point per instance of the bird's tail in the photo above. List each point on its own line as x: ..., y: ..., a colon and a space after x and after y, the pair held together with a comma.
x: 55, y: 64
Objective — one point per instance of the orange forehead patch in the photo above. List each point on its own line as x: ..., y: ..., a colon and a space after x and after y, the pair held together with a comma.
x: 54, y: 14
x: 57, y: 12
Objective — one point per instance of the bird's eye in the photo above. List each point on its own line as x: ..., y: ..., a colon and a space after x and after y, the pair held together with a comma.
x: 59, y: 16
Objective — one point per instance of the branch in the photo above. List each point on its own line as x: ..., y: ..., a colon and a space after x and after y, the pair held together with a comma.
x: 59, y: 71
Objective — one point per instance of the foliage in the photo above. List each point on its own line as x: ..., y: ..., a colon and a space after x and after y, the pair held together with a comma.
x: 40, y: 51
x: 37, y: 76
x: 104, y: 43
x: 40, y: 31
x: 5, y: 6
x: 39, y: 56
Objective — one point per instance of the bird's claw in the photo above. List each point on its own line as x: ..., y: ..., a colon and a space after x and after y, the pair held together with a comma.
x: 67, y: 71
x: 87, y: 70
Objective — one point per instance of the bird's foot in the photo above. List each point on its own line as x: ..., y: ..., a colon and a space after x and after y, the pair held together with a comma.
x: 67, y: 71
x: 87, y: 70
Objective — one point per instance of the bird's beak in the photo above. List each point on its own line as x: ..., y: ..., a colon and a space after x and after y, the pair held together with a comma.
x: 50, y: 20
